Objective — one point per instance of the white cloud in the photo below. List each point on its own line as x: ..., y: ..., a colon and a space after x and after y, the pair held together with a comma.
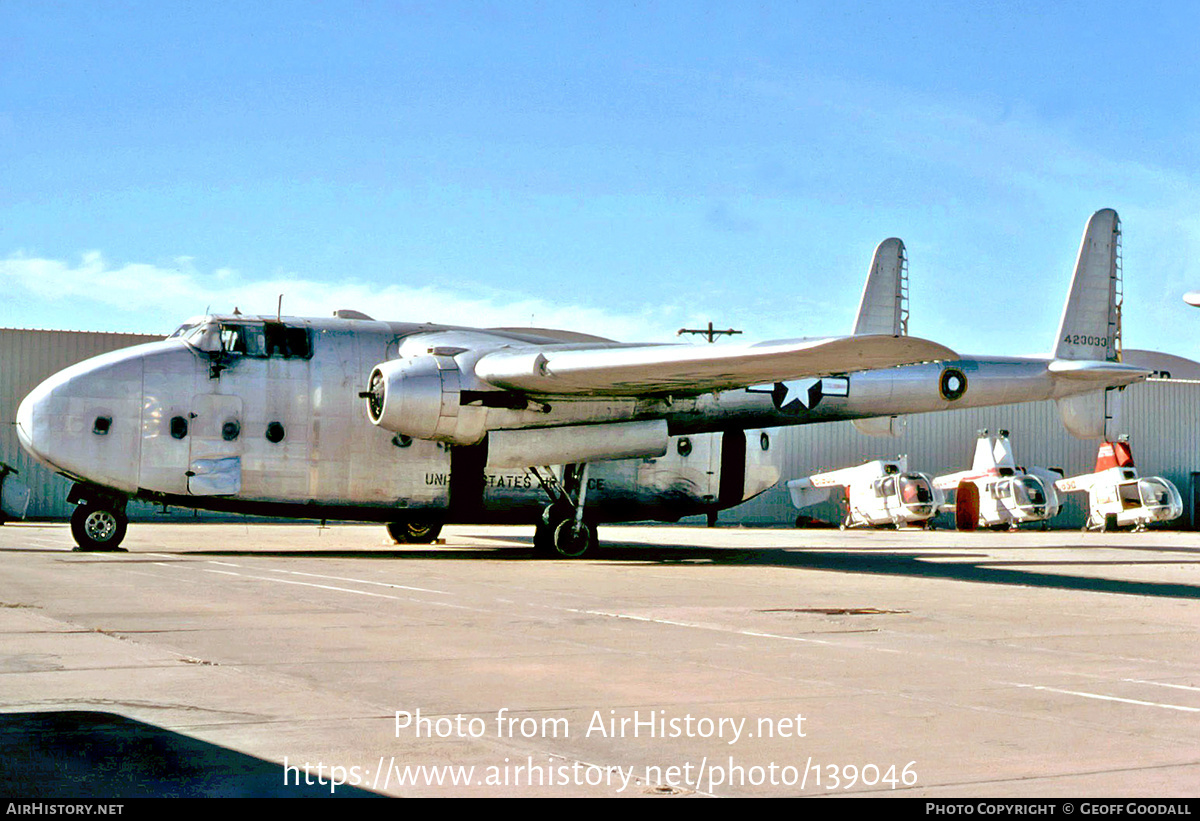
x: 138, y: 296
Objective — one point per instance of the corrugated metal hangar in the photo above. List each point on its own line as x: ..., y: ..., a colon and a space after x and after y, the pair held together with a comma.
x: 1159, y: 415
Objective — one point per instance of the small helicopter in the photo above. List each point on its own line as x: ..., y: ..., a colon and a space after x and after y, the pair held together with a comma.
x: 996, y: 493
x: 1117, y: 497
x: 878, y: 493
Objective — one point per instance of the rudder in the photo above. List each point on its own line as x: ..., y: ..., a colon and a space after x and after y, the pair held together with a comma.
x: 883, y: 308
x: 1091, y: 322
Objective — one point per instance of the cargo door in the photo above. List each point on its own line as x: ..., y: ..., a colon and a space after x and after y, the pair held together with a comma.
x: 215, y: 458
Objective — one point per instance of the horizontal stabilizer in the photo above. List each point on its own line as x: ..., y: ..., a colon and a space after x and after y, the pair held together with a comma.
x: 696, y: 369
x: 1104, y: 374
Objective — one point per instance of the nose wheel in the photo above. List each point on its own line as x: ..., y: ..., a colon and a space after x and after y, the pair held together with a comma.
x: 98, y: 528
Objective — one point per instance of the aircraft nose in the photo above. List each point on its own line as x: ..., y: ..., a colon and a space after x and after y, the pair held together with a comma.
x: 85, y: 421
x: 27, y: 416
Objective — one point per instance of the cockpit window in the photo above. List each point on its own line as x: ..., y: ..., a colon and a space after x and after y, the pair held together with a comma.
x: 270, y: 339
x: 243, y: 339
x: 182, y: 330
x: 286, y: 341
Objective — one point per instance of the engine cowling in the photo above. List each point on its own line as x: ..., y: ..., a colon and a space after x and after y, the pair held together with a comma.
x: 421, y: 397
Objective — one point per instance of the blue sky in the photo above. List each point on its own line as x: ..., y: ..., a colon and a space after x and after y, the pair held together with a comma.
x: 622, y: 168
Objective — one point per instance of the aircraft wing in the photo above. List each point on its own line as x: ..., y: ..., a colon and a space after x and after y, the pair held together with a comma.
x: 695, y: 369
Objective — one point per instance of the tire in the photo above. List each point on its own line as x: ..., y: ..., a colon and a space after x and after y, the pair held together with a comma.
x: 98, y: 528
x: 414, y: 532
x: 571, y: 545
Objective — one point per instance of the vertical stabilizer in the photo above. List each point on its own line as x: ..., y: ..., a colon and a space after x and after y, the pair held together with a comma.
x: 1113, y: 455
x: 985, y: 456
x: 1094, y: 415
x: 884, y: 310
x: 1091, y: 321
x: 884, y: 305
x: 893, y: 426
x: 1002, y: 453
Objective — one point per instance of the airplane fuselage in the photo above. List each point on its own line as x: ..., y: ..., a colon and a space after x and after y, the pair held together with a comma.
x: 290, y: 436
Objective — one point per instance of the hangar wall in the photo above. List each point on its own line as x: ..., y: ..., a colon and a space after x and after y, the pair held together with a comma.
x: 1161, y: 416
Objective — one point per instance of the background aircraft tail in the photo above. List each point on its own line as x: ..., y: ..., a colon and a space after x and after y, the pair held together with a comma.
x: 1091, y: 321
x: 1091, y: 327
x: 883, y: 309
x: 884, y: 305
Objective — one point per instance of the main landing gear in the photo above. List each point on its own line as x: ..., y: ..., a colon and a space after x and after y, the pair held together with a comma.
x: 99, y: 522
x: 564, y: 531
x: 414, y: 532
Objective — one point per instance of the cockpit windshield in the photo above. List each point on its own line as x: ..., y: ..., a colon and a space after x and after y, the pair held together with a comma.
x: 200, y: 335
x: 1029, y: 491
x: 186, y: 329
x: 915, y: 490
x: 1154, y: 493
x: 182, y: 330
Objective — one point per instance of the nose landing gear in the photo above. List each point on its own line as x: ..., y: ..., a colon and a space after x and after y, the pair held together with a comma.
x: 99, y: 521
x: 98, y: 526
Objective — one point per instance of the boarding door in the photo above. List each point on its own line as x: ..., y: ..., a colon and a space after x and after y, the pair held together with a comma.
x: 215, y: 463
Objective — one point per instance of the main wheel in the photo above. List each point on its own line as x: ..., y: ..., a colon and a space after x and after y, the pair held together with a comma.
x: 98, y: 528
x: 543, y: 533
x: 571, y: 543
x: 414, y: 532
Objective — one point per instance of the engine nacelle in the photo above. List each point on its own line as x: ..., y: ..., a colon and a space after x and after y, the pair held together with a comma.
x: 421, y: 397
x: 576, y: 443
